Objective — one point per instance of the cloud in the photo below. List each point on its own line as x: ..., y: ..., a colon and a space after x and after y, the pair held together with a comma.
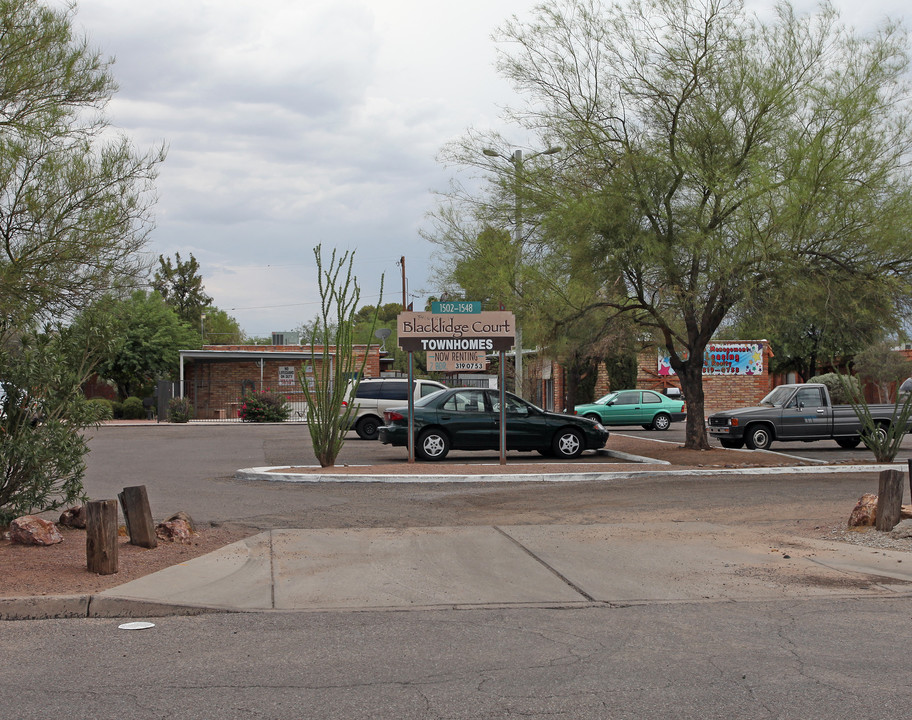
x: 295, y: 123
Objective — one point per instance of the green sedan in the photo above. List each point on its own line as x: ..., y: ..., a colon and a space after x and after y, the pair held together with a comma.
x: 650, y: 409
x: 469, y: 419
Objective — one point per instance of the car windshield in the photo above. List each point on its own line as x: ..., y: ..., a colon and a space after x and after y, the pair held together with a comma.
x: 778, y: 397
x: 421, y: 402
x: 606, y: 399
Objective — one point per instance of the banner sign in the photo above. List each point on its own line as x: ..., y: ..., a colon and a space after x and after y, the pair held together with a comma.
x: 482, y: 332
x: 456, y: 361
x: 726, y: 358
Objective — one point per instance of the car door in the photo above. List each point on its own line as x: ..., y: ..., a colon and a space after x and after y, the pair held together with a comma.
x: 526, y: 428
x: 625, y: 409
x: 468, y: 421
x: 807, y: 415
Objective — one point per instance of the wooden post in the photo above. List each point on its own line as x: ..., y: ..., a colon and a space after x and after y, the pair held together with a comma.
x: 134, y: 501
x: 101, y: 536
x: 889, y: 500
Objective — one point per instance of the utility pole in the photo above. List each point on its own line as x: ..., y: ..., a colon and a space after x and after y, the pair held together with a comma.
x: 404, y: 302
x: 516, y: 159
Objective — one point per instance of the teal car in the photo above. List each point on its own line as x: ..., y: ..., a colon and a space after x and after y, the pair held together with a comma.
x: 648, y: 408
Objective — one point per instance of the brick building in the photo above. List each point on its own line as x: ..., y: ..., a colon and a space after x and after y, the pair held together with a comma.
x: 216, y: 377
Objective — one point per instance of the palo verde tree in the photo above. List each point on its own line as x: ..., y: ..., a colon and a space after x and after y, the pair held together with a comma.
x: 709, y: 153
x: 334, y: 363
x: 75, y: 212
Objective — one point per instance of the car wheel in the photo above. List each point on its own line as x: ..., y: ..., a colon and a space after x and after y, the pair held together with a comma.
x: 662, y: 421
x: 368, y: 428
x: 758, y: 437
x: 848, y: 442
x: 568, y: 443
x: 880, y: 432
x: 593, y: 416
x: 731, y: 444
x: 433, y: 445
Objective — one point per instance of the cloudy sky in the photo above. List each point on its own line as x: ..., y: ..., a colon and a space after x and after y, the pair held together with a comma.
x: 292, y: 123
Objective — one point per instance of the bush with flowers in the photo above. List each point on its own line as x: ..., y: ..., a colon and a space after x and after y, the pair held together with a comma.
x: 264, y: 406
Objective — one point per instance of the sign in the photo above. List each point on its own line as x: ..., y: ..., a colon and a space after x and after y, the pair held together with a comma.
x: 734, y: 358
x: 459, y: 307
x: 456, y: 360
x: 286, y: 375
x: 481, y: 332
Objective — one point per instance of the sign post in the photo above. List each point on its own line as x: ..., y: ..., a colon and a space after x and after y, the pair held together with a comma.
x: 457, y: 336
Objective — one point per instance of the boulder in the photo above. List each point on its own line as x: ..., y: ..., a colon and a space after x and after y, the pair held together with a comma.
x: 902, y: 530
x: 865, y: 511
x: 74, y: 517
x: 31, y: 530
x: 174, y: 531
x: 185, y: 517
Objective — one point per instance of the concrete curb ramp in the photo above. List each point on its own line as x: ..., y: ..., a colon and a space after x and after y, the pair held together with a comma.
x: 488, y: 566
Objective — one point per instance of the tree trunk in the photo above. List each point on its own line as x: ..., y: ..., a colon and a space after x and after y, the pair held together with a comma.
x: 691, y: 377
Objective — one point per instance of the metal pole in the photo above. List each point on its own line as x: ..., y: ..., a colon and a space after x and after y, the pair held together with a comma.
x: 503, y: 407
x: 518, y: 240
x: 411, y: 407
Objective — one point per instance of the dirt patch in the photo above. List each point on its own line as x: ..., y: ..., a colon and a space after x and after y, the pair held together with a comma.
x: 61, y: 569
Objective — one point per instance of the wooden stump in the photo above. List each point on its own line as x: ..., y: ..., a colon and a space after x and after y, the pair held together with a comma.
x: 101, y: 537
x: 889, y: 500
x: 138, y: 516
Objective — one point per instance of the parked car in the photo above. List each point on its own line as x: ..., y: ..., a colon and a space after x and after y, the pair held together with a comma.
x: 375, y: 395
x: 802, y: 412
x: 648, y: 408
x: 469, y: 419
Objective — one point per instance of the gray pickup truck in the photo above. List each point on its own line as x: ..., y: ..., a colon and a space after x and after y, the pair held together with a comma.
x: 793, y: 412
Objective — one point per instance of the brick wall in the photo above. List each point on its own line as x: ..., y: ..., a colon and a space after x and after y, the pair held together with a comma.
x: 721, y: 392
x: 216, y: 384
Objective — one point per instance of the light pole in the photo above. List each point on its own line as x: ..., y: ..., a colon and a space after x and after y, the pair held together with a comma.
x: 202, y: 331
x: 517, y: 160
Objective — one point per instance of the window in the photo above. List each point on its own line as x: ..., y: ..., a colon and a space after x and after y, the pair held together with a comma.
x: 427, y: 389
x: 466, y: 401
x: 627, y: 398
x: 651, y: 397
x: 368, y: 390
x: 810, y: 398
x: 394, y: 390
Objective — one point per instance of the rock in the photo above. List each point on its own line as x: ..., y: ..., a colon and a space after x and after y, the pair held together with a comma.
x: 74, y: 517
x: 902, y: 530
x: 174, y: 531
x: 31, y: 530
x: 865, y: 511
x: 185, y: 517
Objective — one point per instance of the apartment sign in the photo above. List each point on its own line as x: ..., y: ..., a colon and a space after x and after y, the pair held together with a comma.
x: 476, y: 333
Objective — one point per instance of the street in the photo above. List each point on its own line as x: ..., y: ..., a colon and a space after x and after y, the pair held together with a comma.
x: 842, y: 656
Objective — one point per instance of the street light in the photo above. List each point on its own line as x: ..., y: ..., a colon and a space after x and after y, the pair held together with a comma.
x: 202, y: 332
x: 517, y: 160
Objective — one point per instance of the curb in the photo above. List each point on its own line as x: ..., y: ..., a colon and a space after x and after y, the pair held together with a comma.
x: 67, y: 607
x: 268, y: 474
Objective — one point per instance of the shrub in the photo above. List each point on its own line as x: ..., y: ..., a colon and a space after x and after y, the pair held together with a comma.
x: 264, y: 407
x: 103, y: 407
x: 133, y: 409
x: 117, y: 409
x: 180, y: 410
x: 840, y: 394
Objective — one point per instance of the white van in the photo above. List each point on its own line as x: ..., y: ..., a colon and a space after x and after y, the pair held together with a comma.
x: 374, y: 395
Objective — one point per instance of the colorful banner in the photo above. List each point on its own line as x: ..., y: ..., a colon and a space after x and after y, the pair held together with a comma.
x: 724, y: 359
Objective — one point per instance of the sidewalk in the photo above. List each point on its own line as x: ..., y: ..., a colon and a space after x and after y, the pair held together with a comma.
x: 487, y: 566
x: 560, y: 565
